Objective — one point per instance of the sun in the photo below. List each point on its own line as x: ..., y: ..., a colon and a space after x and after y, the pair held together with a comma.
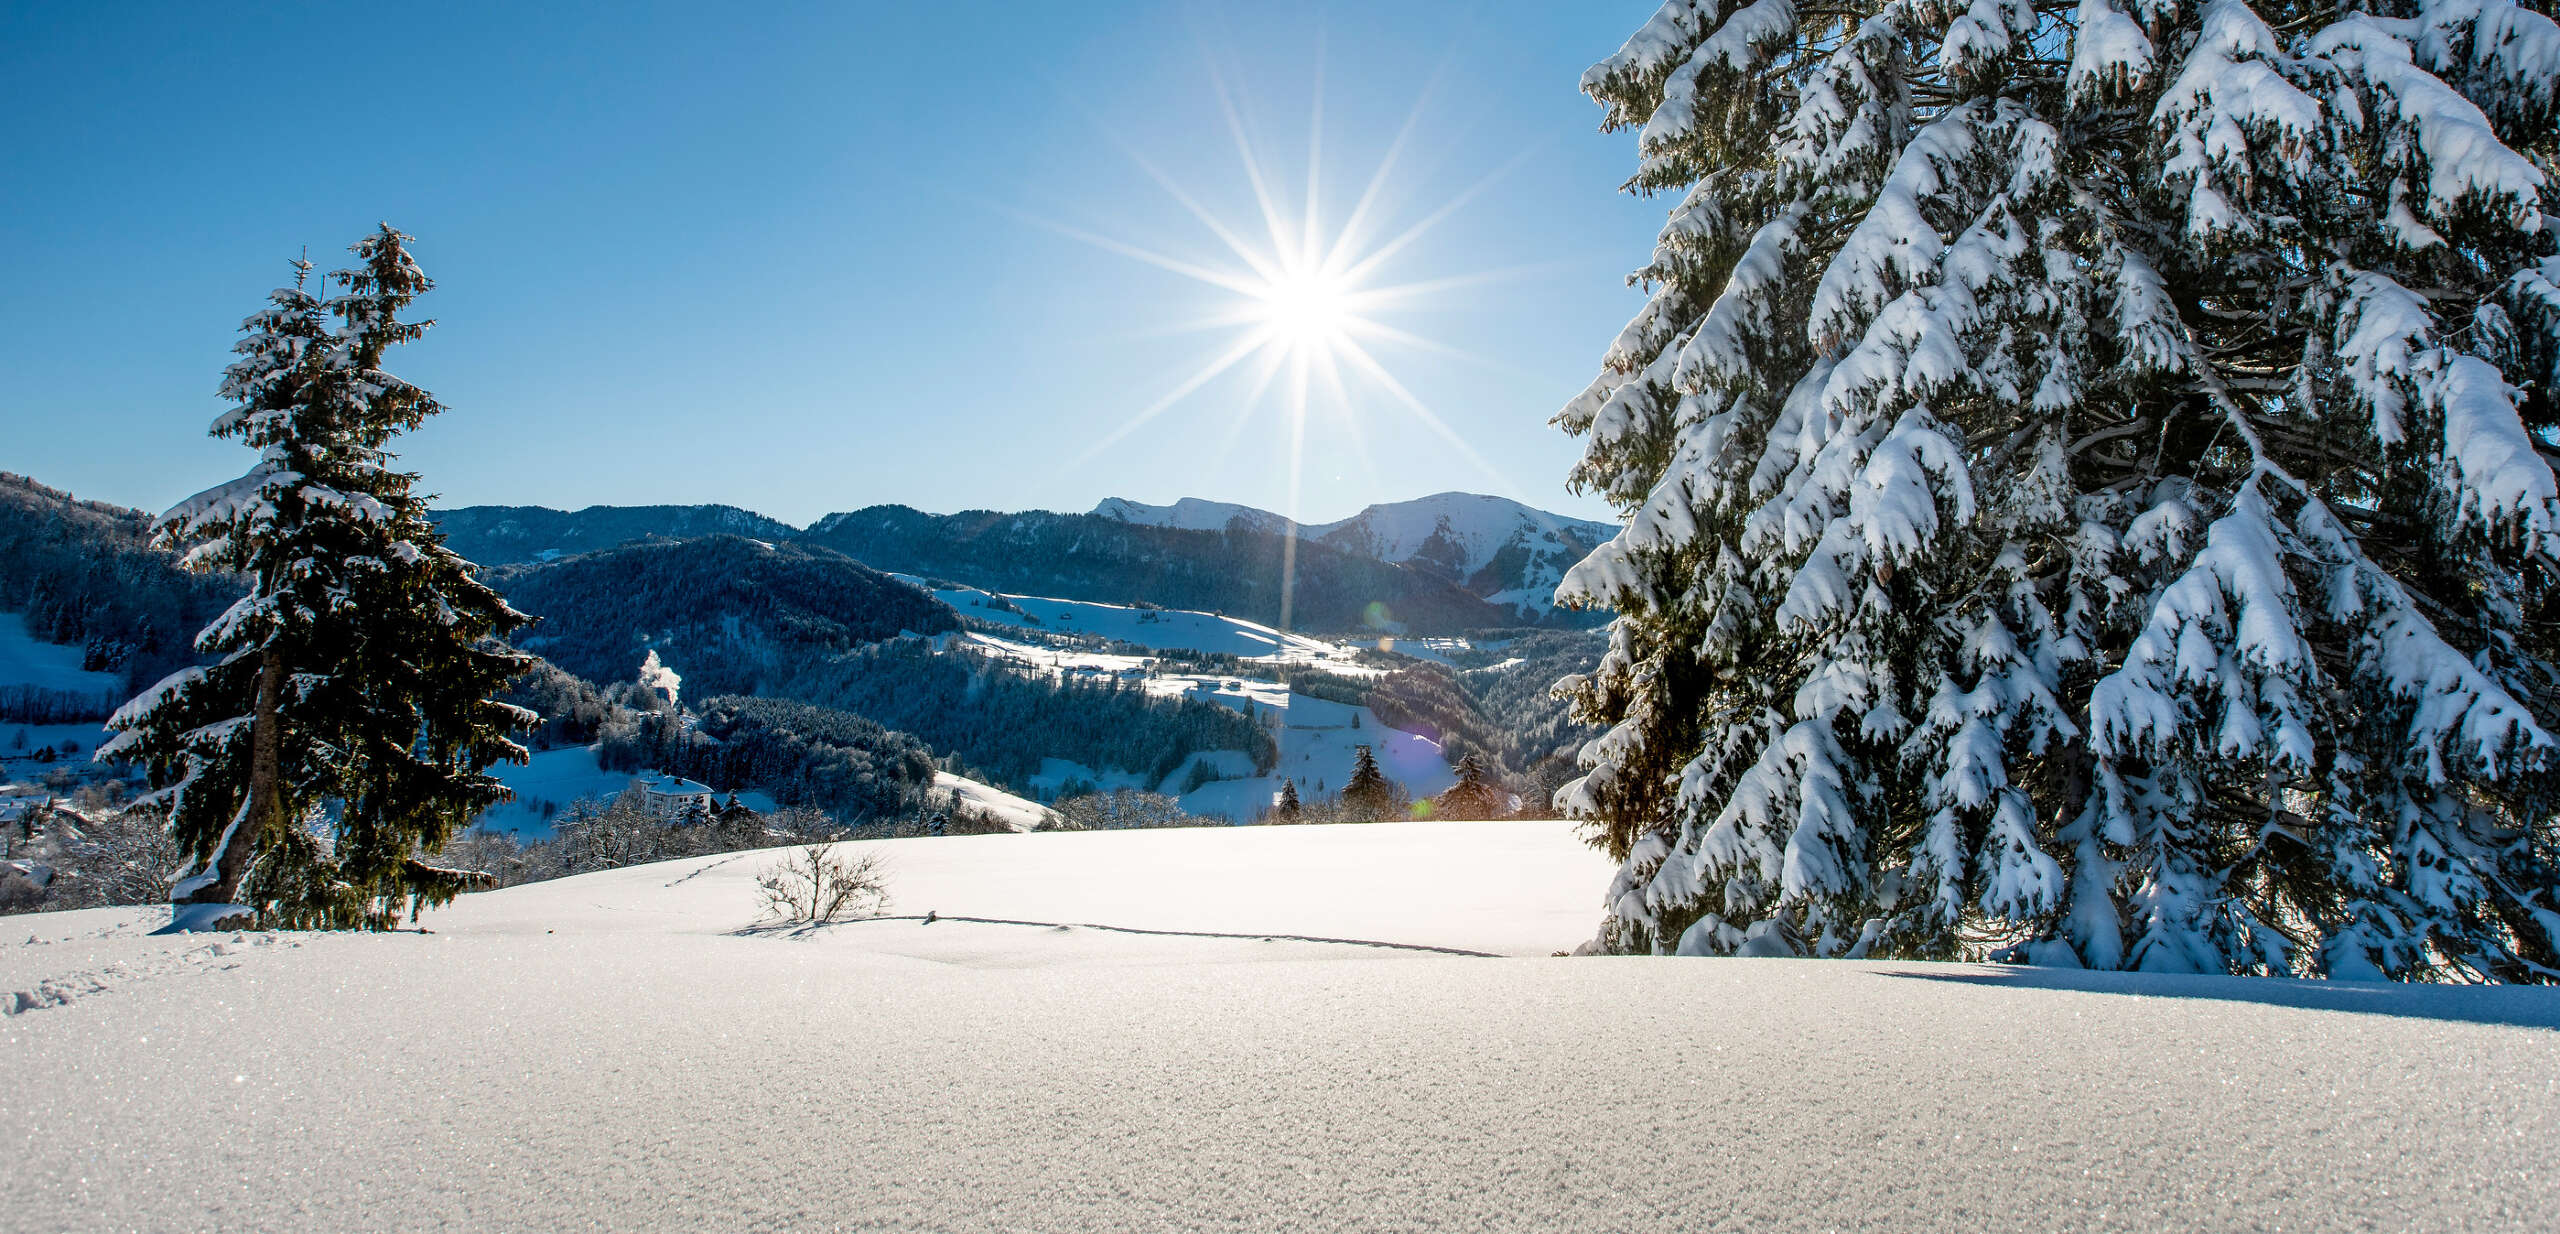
x: 1306, y: 309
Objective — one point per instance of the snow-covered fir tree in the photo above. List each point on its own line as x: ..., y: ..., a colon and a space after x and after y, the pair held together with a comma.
x: 346, y: 725
x: 1287, y: 809
x: 1474, y: 796
x: 1366, y: 796
x: 2086, y: 472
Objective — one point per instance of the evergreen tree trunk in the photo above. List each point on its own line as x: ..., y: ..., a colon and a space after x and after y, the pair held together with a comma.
x: 263, y: 815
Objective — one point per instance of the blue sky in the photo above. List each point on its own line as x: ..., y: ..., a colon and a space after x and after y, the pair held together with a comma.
x: 818, y: 257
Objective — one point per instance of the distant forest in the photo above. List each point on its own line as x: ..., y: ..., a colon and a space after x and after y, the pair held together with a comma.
x: 1083, y: 557
x: 732, y: 614
x: 507, y: 535
x: 1002, y: 722
x: 84, y: 573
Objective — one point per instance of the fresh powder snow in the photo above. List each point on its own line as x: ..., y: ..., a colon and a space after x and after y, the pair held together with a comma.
x: 1224, y: 1028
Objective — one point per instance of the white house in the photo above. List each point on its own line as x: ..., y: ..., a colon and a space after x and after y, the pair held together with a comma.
x: 668, y: 797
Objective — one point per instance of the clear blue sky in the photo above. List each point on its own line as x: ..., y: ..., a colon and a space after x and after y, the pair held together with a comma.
x: 811, y: 258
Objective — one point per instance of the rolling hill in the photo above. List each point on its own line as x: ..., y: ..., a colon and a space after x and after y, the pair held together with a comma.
x: 728, y: 609
x: 504, y: 535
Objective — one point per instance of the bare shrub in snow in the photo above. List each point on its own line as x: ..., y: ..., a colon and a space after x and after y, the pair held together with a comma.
x: 1123, y: 809
x: 92, y: 854
x: 816, y: 884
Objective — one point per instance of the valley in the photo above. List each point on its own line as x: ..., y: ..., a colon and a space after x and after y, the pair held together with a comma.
x: 1020, y: 701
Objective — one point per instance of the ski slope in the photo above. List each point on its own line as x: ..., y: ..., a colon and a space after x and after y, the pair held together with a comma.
x: 1230, y: 1028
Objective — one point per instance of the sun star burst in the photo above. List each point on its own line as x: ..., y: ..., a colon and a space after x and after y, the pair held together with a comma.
x: 1304, y: 319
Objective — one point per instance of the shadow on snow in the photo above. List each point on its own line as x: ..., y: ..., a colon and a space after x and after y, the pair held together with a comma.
x: 2509, y: 1006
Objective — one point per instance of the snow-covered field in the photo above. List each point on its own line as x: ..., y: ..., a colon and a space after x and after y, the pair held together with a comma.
x: 546, y: 785
x: 619, y: 1051
x: 1019, y: 813
x: 553, y: 779
x: 49, y: 666
x: 1160, y: 628
x: 1316, y: 738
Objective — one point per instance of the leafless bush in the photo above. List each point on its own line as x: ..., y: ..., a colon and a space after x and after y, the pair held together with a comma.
x: 1123, y: 809
x: 92, y: 854
x: 816, y: 885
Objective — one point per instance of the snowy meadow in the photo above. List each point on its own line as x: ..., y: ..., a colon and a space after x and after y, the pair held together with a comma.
x: 2024, y: 694
x: 1237, y: 1028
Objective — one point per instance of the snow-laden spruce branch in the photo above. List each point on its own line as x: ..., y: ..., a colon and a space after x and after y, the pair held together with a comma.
x: 2087, y: 483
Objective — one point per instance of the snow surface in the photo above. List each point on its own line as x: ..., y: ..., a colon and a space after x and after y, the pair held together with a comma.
x: 1161, y: 629
x: 617, y: 1051
x: 1016, y: 812
x: 553, y: 779
x: 24, y: 661
x: 1317, y: 740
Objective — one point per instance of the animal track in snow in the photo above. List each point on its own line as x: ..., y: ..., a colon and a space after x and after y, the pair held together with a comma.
x: 60, y: 991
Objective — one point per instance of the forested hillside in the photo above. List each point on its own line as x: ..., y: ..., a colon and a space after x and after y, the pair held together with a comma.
x: 1498, y: 705
x: 734, y: 614
x: 1083, y: 557
x: 504, y: 535
x: 84, y: 573
x: 803, y: 754
x: 1004, y: 723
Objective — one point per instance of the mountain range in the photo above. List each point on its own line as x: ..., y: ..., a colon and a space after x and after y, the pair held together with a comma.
x: 1499, y: 550
x: 1438, y: 564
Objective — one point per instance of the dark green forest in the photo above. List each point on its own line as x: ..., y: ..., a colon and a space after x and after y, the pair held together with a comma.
x: 732, y: 614
x: 84, y: 573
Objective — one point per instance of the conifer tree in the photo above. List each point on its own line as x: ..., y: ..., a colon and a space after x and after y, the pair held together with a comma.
x: 1474, y: 796
x: 1366, y: 796
x: 346, y: 725
x: 2087, y: 482
x: 1288, y: 809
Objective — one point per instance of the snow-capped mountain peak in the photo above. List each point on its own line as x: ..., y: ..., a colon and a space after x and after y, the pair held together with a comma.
x: 1189, y: 514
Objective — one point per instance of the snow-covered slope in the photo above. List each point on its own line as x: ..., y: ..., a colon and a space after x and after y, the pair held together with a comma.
x: 50, y: 666
x: 1159, y: 628
x: 1463, y: 534
x: 1190, y: 514
x: 1316, y: 738
x: 1497, y: 548
x: 1021, y: 814
x: 1159, y: 1044
x: 554, y: 779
